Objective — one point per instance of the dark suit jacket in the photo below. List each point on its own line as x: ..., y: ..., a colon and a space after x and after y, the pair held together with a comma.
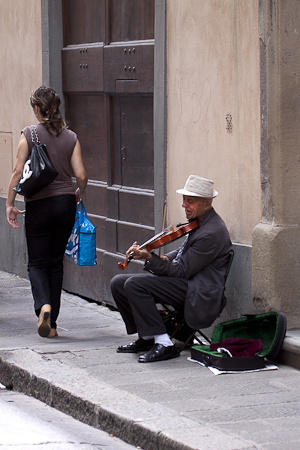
x: 203, y: 263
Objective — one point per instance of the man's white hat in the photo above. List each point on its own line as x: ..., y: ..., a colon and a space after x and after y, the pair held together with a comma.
x: 198, y: 187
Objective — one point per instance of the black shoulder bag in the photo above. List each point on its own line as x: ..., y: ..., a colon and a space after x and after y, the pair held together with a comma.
x: 38, y: 170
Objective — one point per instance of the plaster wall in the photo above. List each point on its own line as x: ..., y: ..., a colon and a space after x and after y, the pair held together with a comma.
x: 20, y: 73
x: 213, y: 90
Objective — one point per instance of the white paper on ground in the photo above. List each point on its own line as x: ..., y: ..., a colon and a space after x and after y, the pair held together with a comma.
x: 216, y: 371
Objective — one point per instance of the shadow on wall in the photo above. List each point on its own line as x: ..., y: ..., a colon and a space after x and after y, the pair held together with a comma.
x: 238, y: 287
x: 13, y: 255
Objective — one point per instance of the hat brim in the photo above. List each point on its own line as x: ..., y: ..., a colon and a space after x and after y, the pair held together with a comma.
x: 192, y: 194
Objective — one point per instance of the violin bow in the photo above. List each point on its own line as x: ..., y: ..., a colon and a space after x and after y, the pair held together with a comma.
x: 163, y: 222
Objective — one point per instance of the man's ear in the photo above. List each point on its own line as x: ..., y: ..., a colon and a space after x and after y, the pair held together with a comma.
x: 208, y: 203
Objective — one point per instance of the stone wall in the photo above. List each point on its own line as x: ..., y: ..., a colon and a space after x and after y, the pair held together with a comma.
x: 213, y: 83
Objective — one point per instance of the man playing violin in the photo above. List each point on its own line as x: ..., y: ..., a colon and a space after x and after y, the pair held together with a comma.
x: 191, y: 278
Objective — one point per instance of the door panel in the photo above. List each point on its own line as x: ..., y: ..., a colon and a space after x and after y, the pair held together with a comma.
x: 82, y: 68
x: 107, y: 70
x: 132, y: 176
x: 133, y: 138
x: 131, y: 20
x: 133, y: 61
x: 136, y: 207
x: 133, y: 141
x: 86, y: 114
x: 83, y: 21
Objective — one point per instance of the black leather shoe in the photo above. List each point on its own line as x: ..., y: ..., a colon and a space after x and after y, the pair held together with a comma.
x: 159, y: 353
x: 140, y: 345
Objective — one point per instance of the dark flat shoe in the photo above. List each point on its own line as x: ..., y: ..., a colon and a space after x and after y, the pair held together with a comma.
x: 140, y: 345
x: 159, y: 353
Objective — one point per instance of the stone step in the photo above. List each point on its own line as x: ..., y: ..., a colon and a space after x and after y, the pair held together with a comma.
x: 290, y: 351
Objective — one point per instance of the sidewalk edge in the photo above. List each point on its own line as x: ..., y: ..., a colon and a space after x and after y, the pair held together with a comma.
x: 20, y: 380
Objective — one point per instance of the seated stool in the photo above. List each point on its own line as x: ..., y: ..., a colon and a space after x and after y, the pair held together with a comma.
x: 176, y: 325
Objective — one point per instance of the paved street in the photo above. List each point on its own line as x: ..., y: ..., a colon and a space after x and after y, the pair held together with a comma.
x: 174, y: 404
x: 27, y: 423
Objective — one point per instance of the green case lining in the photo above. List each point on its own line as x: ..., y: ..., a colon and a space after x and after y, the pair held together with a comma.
x: 262, y: 326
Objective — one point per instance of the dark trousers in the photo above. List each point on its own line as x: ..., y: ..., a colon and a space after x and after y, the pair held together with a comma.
x: 136, y: 297
x: 48, y: 225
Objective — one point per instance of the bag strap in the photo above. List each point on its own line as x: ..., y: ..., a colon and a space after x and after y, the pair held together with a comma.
x: 34, y: 137
x: 82, y: 211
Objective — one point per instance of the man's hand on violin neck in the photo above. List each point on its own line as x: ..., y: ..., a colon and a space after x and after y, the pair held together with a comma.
x: 136, y: 253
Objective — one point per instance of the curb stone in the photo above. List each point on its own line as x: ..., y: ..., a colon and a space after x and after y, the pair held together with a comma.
x: 99, y: 406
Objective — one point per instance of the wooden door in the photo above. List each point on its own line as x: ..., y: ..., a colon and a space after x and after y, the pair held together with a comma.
x: 107, y: 74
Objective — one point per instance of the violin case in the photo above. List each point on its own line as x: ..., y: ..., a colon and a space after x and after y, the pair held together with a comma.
x: 269, y: 328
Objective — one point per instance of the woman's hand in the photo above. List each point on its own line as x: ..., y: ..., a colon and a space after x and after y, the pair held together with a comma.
x: 80, y: 196
x: 11, y: 215
x: 138, y: 254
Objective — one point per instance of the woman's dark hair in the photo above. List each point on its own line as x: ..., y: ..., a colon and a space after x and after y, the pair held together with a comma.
x: 48, y: 101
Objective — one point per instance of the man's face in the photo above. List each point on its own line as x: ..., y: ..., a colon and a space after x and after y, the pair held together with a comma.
x: 195, y: 207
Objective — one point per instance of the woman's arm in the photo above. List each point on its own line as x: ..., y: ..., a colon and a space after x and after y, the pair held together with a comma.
x: 22, y: 156
x: 79, y: 172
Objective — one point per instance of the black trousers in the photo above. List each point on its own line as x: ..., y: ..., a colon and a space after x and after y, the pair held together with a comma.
x: 48, y: 225
x: 136, y: 297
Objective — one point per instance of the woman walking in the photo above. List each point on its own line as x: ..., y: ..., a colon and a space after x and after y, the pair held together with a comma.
x: 50, y: 213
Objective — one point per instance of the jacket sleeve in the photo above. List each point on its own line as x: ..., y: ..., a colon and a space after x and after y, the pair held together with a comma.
x: 199, y: 255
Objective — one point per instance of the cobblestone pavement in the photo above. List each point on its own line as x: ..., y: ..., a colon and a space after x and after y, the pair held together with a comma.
x: 175, y: 404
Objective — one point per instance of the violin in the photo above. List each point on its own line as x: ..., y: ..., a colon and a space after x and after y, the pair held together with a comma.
x: 161, y: 239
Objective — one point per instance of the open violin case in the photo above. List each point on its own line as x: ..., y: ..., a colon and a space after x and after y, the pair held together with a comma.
x: 262, y: 332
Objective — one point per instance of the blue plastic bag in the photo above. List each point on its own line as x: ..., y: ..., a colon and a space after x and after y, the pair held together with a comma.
x: 81, y: 246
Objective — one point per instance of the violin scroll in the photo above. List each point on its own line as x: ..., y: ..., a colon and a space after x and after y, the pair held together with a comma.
x: 124, y: 265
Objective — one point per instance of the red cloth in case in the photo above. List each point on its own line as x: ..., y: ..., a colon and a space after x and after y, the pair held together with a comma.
x: 238, y: 346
